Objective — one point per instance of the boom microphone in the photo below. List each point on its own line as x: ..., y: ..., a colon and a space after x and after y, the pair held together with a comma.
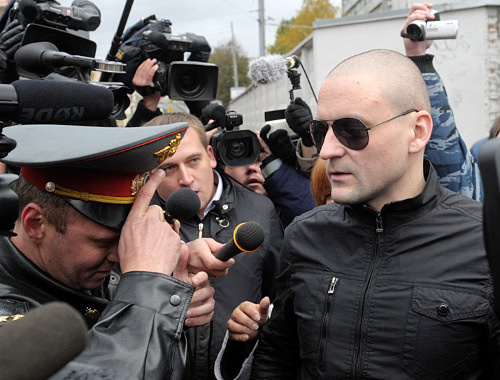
x: 54, y: 102
x: 271, y: 68
x: 182, y: 204
x: 247, y: 237
x: 43, y: 57
x: 41, y: 343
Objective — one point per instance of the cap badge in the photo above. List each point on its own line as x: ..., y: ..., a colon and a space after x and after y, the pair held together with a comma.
x: 170, y: 149
x: 138, y: 182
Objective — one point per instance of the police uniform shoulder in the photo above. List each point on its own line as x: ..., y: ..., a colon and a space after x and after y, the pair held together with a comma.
x: 11, y: 309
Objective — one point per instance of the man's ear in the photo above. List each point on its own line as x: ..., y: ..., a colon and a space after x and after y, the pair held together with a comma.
x: 211, y: 156
x: 33, y: 218
x: 422, y: 131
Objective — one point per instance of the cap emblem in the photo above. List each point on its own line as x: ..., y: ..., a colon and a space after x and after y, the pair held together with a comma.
x: 170, y: 149
x: 138, y: 182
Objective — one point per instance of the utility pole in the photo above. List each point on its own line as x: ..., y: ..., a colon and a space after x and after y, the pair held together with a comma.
x: 262, y: 29
x: 235, y: 63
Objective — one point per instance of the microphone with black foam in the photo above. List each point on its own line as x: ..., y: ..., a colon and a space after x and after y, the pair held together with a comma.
x: 54, y: 102
x: 215, y: 112
x: 271, y: 68
x: 247, y: 237
x: 182, y: 204
x: 40, y: 344
x: 43, y: 57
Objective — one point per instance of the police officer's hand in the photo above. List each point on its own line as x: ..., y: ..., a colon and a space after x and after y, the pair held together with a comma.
x: 201, y: 258
x: 147, y: 242
x: 143, y: 77
x: 280, y: 144
x: 246, y: 320
x: 201, y: 308
x: 418, y: 11
x: 298, y: 115
x: 10, y: 41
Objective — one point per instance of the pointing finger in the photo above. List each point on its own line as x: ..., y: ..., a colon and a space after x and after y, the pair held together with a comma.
x: 141, y: 204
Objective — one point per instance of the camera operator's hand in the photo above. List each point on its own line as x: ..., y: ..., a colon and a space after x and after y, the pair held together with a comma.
x: 265, y: 151
x: 143, y: 77
x: 10, y: 41
x: 280, y: 144
x: 418, y: 11
x: 298, y: 116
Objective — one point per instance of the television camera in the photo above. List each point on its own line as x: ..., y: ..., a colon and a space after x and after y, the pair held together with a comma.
x: 231, y: 148
x: 193, y: 79
x: 51, y: 51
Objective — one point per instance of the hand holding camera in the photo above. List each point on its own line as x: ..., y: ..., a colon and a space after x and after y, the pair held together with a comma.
x: 143, y: 83
x: 298, y: 116
x: 424, y: 25
x: 280, y: 144
x: 10, y: 41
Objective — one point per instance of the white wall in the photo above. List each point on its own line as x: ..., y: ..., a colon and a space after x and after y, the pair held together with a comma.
x: 468, y: 65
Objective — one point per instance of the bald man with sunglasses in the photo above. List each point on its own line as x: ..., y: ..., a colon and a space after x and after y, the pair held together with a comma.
x: 391, y: 281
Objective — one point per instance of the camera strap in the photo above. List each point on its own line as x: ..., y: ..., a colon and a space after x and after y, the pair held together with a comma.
x: 406, y: 35
x: 145, y: 90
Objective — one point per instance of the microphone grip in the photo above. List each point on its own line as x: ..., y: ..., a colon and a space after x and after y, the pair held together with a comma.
x: 227, y: 251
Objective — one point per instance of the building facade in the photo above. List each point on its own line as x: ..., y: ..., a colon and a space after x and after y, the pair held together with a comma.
x: 362, y: 7
x: 469, y: 65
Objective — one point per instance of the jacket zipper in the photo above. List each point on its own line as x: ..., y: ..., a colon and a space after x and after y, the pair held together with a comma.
x: 379, y: 229
x: 200, y: 230
x: 326, y: 318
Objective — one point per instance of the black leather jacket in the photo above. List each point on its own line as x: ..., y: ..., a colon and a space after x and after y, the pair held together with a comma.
x: 401, y: 294
x: 250, y: 278
x: 137, y: 331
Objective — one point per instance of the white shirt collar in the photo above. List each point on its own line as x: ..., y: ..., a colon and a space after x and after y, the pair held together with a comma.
x: 216, y: 196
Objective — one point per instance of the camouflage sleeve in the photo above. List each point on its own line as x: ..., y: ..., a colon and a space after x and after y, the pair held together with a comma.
x: 454, y: 163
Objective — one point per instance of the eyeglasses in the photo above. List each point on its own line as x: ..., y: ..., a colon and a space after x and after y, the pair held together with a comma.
x: 352, y: 133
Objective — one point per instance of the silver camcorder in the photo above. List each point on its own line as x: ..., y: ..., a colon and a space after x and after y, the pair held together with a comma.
x: 436, y: 29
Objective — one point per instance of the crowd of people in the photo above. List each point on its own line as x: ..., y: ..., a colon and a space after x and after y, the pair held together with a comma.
x: 373, y: 263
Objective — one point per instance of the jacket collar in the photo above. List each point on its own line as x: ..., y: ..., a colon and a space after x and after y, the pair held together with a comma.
x: 14, y: 264
x: 407, y: 209
x: 224, y: 203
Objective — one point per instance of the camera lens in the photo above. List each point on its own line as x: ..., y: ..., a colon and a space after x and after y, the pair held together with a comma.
x: 237, y: 149
x: 416, y: 30
x: 189, y: 83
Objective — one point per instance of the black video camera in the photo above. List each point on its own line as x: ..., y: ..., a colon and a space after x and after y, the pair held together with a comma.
x: 192, y: 80
x: 82, y: 15
x: 234, y: 148
x: 40, y: 42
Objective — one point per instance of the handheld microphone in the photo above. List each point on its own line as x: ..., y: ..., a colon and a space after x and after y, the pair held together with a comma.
x: 214, y: 112
x: 41, y: 343
x: 182, y: 204
x: 271, y: 68
x: 54, y: 102
x: 247, y: 237
x: 43, y: 57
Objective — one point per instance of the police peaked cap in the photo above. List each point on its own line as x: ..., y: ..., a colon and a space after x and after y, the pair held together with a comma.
x: 97, y: 170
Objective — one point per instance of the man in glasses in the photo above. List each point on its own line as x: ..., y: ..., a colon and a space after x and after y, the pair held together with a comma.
x: 390, y: 281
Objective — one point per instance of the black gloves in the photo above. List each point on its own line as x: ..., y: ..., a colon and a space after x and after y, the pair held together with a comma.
x: 298, y: 116
x: 280, y: 144
x: 10, y: 41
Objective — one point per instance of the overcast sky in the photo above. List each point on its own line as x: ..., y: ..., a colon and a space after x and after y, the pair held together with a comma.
x: 209, y: 18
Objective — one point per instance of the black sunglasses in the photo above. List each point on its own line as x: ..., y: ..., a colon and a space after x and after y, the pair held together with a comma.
x: 352, y: 133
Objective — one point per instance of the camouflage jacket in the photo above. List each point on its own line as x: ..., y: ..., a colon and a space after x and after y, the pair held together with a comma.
x: 454, y: 163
